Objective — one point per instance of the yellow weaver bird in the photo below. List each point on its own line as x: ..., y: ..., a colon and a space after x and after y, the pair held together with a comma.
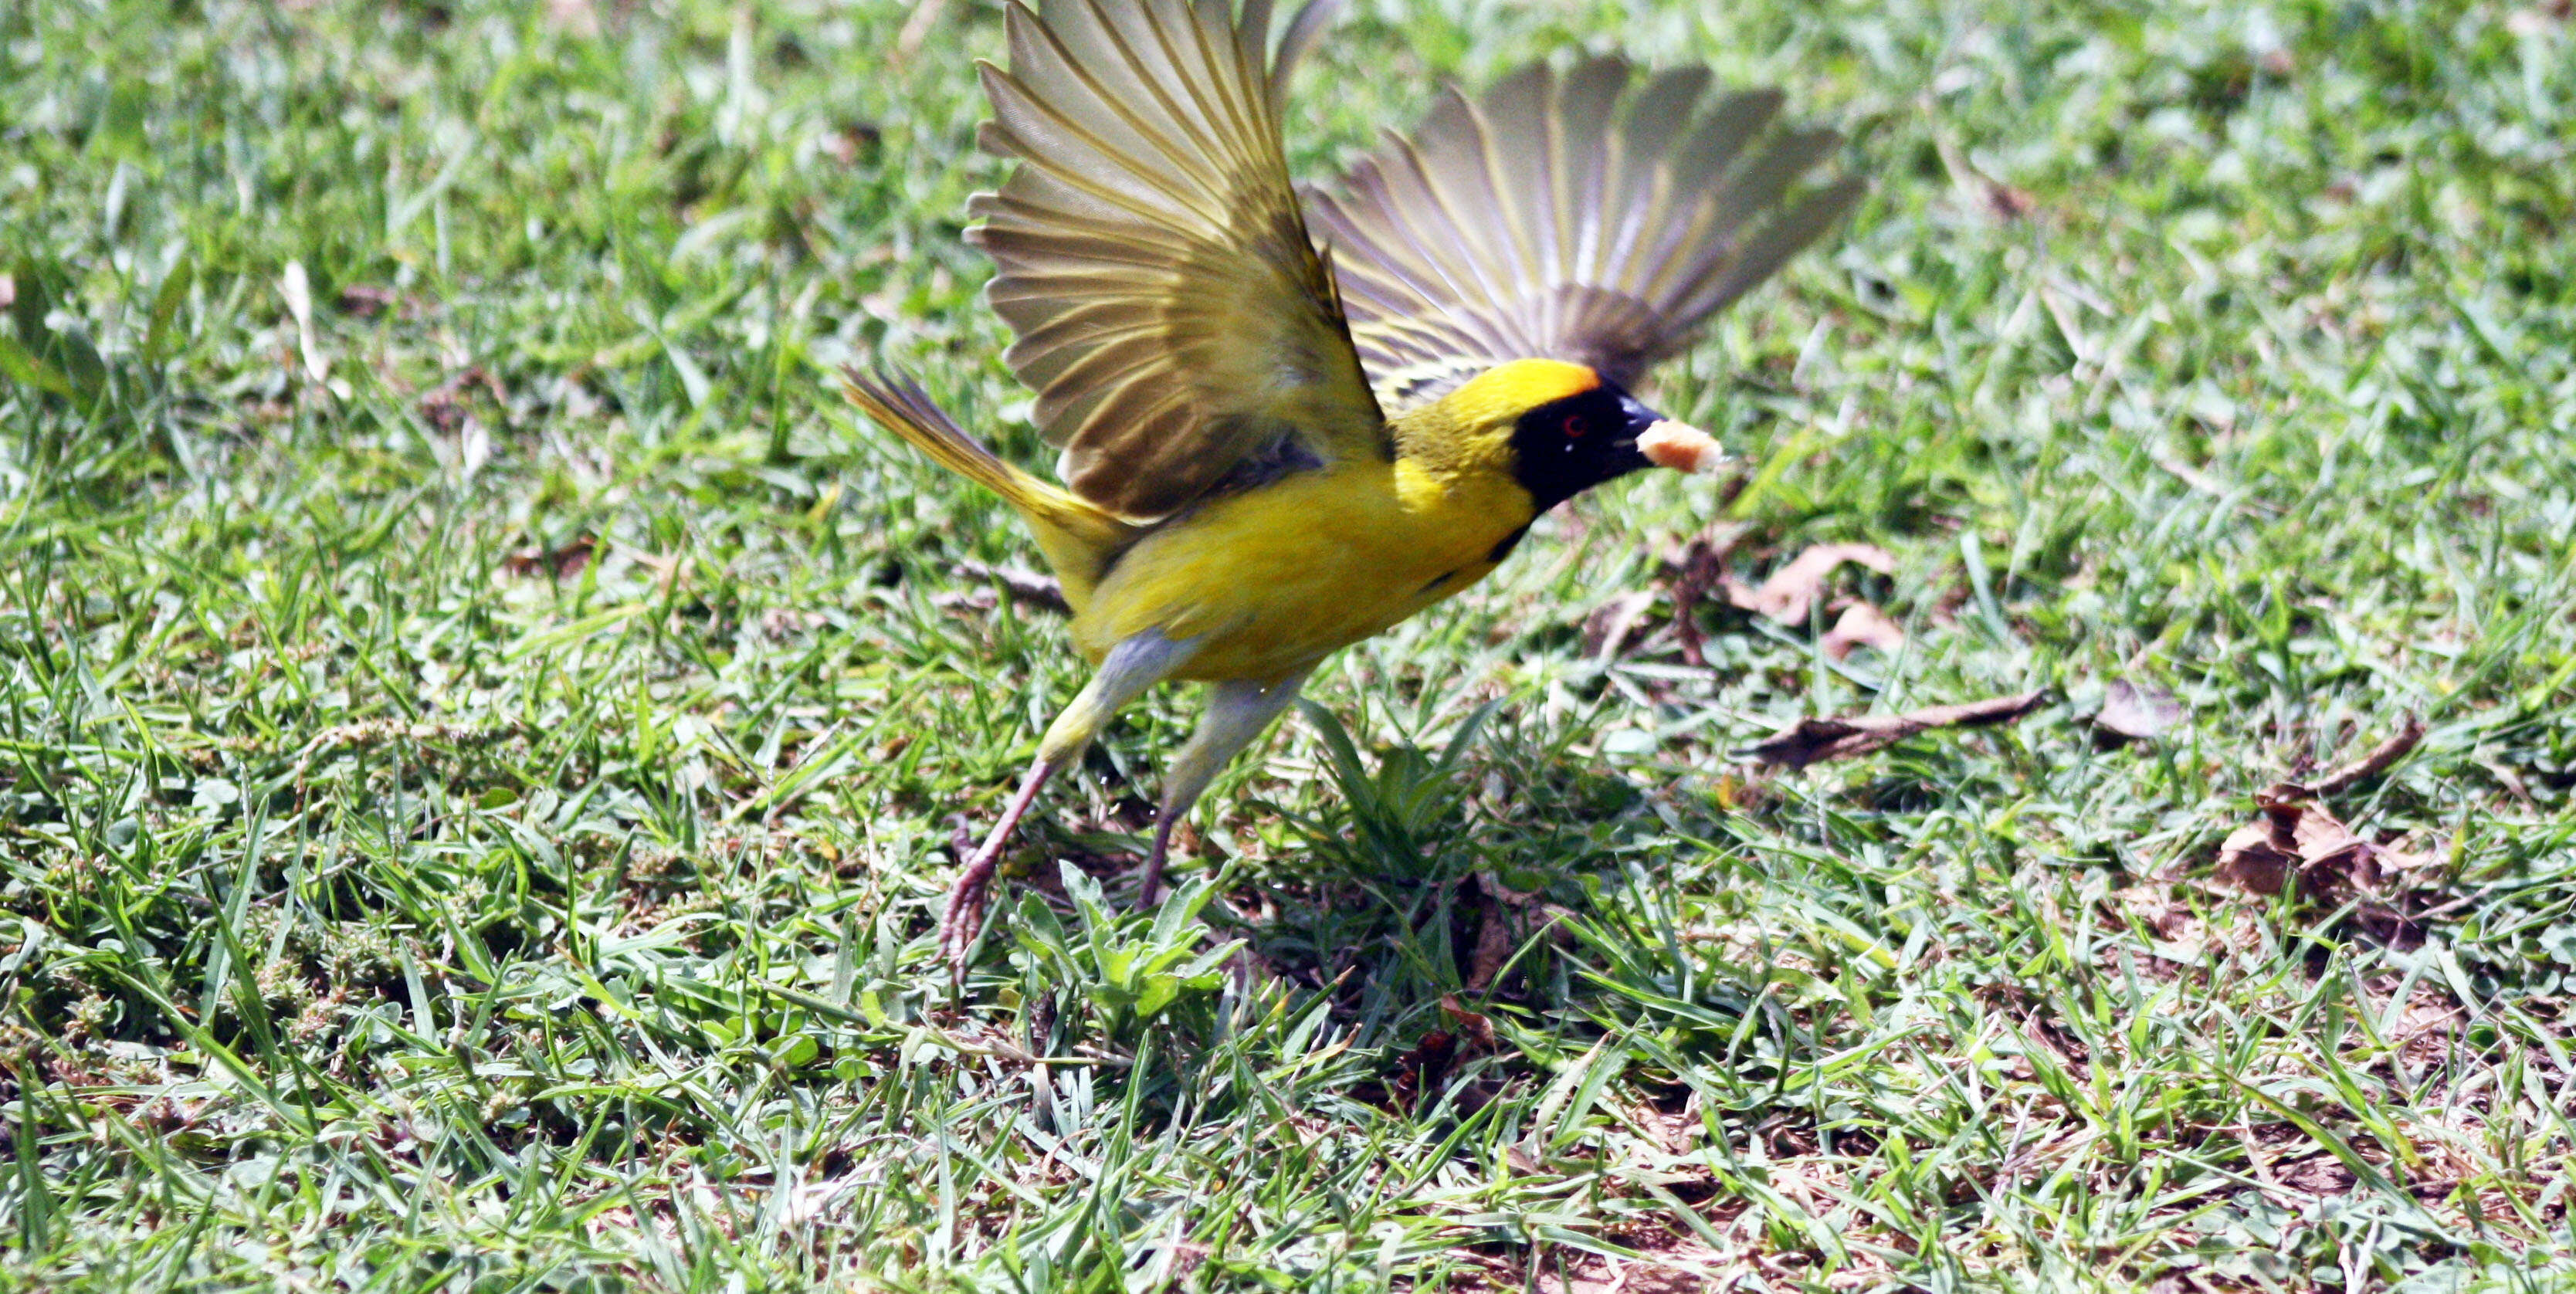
x: 1272, y: 450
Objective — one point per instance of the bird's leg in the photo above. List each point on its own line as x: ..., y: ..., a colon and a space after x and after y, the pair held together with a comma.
x: 965, y: 912
x: 1131, y: 667
x: 1237, y: 712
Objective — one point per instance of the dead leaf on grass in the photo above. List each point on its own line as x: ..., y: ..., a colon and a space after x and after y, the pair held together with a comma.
x: 1693, y: 569
x: 1810, y: 741
x: 447, y: 407
x: 2009, y: 203
x: 1509, y: 918
x: 1493, y: 947
x: 1791, y: 593
x: 2298, y: 837
x: 2135, y: 712
x: 1422, y: 1072
x: 2346, y: 776
x: 2298, y: 840
x: 1473, y: 1031
x: 1606, y: 630
x: 559, y: 563
x: 2293, y: 836
x: 2317, y: 1177
x: 365, y: 301
x: 1861, y: 625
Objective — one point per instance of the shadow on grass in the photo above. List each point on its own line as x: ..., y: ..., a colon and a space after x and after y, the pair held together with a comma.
x: 1453, y: 933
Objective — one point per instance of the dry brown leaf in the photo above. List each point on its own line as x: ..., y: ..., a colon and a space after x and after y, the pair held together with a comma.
x: 1474, y: 1031
x: 2294, y: 837
x: 1810, y: 741
x: 1420, y: 1071
x: 2319, y: 1176
x: 558, y: 563
x: 364, y: 300
x: 2007, y: 202
x: 2298, y: 837
x: 447, y: 407
x: 2249, y: 860
x: 1694, y: 569
x: 850, y: 139
x: 1493, y: 947
x: 1792, y: 591
x: 1509, y: 917
x: 1606, y: 630
x: 2344, y: 777
x: 2136, y: 712
x: 1861, y: 625
x: 2298, y: 840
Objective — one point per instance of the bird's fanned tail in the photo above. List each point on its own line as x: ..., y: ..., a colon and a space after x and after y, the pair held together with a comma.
x: 1077, y: 538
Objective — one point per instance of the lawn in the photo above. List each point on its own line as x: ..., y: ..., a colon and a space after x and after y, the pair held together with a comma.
x: 480, y: 723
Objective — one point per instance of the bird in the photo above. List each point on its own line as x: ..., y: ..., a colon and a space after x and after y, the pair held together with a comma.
x: 1291, y: 417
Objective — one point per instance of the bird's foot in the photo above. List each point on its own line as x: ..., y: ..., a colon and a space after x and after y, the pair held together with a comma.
x: 963, y: 918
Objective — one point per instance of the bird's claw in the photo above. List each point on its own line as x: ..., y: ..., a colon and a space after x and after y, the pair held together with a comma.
x: 963, y: 915
x: 963, y: 918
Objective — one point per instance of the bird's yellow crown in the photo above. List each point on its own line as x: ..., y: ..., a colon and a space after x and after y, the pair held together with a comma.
x: 1506, y: 391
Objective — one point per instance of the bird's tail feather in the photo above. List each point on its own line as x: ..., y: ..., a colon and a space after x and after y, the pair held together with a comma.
x: 1077, y: 538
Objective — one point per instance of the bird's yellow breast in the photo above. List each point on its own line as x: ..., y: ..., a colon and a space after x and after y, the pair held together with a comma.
x: 1273, y: 579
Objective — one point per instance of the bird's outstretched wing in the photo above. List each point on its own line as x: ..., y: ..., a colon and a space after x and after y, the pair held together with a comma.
x: 1173, y: 314
x: 1567, y: 216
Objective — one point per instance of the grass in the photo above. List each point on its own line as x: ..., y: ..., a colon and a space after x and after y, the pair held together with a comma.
x: 481, y: 723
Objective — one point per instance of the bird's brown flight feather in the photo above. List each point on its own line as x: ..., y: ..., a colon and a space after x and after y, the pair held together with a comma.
x: 1173, y: 313
x: 1568, y: 216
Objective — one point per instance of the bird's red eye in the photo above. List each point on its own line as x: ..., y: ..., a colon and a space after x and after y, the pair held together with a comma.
x: 1575, y: 426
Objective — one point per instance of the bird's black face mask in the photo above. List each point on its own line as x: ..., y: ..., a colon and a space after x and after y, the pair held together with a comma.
x: 1565, y: 447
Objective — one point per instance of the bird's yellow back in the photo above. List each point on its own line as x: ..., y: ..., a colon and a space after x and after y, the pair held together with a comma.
x: 1277, y: 577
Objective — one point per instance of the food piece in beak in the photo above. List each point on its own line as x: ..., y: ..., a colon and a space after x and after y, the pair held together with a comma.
x: 1680, y: 446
